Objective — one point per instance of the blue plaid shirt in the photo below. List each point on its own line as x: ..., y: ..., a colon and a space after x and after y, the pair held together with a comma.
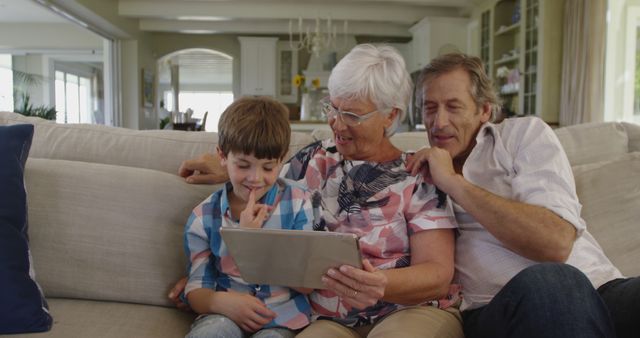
x: 211, y: 266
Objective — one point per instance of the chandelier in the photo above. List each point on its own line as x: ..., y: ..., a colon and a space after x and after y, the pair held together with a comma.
x: 324, y: 36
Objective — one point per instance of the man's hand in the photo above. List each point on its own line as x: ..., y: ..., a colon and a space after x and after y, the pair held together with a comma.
x: 253, y: 214
x: 205, y: 169
x: 435, y: 165
x: 174, y: 294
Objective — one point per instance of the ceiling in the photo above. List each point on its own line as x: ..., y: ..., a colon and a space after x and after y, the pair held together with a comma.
x: 21, y: 11
x: 364, y: 17
x: 367, y: 20
x: 267, y: 17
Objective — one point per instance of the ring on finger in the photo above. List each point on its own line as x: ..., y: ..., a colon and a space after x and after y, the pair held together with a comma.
x: 355, y: 293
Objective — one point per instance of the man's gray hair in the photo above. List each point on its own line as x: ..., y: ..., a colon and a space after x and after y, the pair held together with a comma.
x: 373, y: 73
x: 482, y: 90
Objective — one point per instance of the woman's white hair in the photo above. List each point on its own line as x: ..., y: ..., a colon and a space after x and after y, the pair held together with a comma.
x: 373, y: 73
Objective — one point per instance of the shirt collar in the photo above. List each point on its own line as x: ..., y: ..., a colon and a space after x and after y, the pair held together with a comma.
x: 486, y: 129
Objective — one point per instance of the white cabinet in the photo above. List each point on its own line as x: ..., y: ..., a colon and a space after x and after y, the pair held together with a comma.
x: 258, y: 66
x: 433, y: 36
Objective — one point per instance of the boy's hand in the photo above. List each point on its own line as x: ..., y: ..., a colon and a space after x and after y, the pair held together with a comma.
x: 253, y: 214
x: 174, y: 294
x: 245, y: 310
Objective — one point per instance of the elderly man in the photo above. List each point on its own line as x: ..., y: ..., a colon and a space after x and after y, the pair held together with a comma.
x: 527, y: 264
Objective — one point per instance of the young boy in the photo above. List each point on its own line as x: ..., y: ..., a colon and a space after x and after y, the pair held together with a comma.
x: 254, y: 137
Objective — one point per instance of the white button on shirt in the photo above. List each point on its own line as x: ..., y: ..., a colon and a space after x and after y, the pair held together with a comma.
x: 520, y: 159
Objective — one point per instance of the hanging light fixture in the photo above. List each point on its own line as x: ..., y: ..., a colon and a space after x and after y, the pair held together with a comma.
x: 319, y: 39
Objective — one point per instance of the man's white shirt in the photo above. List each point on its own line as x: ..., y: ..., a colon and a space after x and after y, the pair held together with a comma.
x: 520, y: 159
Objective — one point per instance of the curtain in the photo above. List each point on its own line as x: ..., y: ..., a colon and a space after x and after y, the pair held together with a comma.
x: 583, y: 63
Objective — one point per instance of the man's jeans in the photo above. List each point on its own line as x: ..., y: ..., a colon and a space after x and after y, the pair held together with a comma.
x: 557, y: 300
x: 622, y: 297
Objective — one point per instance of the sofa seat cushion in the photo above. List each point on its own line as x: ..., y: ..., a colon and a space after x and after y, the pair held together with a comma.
x: 85, y: 318
x: 108, y: 232
x: 610, y: 195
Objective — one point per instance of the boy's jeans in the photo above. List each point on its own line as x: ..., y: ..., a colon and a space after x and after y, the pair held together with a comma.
x: 219, y: 326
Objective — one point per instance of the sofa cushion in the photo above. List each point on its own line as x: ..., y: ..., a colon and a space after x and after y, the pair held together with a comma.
x: 108, y: 232
x: 162, y: 150
x: 406, y: 141
x: 22, y: 306
x: 593, y: 142
x: 610, y: 195
x: 633, y: 132
x: 84, y: 318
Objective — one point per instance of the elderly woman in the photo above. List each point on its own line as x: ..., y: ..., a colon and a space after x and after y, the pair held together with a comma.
x: 405, y: 226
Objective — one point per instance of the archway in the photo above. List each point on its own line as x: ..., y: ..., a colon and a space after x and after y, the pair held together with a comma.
x: 204, y: 83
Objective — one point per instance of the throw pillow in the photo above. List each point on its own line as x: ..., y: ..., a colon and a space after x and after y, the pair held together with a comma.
x: 22, y: 306
x: 610, y: 195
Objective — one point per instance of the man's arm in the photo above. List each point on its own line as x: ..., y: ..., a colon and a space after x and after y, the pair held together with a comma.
x: 205, y: 169
x: 531, y: 231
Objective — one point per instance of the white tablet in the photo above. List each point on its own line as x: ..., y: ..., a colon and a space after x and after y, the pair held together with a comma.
x: 295, y: 258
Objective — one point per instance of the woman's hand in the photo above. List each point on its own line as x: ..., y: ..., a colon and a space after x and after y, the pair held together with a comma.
x: 205, y: 169
x: 247, y: 311
x: 359, y: 288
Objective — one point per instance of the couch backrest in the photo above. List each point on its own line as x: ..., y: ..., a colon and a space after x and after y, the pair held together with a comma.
x: 107, y: 232
x: 162, y: 150
x: 593, y: 142
x: 609, y: 192
x: 605, y: 158
x: 412, y: 140
x: 633, y: 131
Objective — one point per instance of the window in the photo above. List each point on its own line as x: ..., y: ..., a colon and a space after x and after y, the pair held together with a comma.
x: 627, y: 76
x: 6, y: 83
x: 73, y: 98
x: 200, y: 102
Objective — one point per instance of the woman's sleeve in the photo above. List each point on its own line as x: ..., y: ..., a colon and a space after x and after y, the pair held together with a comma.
x: 428, y: 208
x: 296, y: 168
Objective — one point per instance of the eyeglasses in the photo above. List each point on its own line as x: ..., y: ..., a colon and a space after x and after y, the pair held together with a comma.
x: 348, y: 118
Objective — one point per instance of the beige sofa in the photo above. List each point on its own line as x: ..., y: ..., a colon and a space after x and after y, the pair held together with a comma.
x: 106, y: 213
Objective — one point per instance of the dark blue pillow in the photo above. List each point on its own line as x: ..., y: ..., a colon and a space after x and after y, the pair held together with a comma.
x: 22, y: 306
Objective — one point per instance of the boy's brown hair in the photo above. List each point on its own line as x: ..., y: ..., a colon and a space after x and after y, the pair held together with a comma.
x: 257, y: 126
